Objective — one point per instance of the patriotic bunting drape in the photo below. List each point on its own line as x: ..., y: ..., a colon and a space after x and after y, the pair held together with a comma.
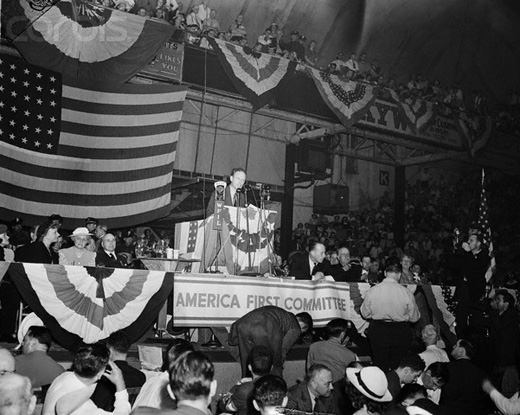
x: 82, y: 39
x: 86, y: 304
x: 349, y: 100
x: 82, y: 150
x: 476, y: 131
x: 255, y: 75
x: 419, y: 114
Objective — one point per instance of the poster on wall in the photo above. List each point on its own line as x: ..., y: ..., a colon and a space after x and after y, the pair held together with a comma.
x: 167, y: 63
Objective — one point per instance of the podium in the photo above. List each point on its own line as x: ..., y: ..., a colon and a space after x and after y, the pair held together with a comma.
x: 243, y: 244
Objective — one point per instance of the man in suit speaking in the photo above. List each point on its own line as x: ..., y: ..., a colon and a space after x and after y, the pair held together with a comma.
x: 233, y: 194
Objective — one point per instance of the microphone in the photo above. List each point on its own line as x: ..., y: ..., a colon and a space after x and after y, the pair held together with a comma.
x: 247, y: 187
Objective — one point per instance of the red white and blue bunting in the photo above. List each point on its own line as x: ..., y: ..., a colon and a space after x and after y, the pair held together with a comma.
x: 256, y: 76
x: 87, y: 304
x: 419, y: 114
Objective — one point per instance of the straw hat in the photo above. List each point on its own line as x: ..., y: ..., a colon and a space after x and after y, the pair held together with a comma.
x: 371, y: 382
x: 80, y: 232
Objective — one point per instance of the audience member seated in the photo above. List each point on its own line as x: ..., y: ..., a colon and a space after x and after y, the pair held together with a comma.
x: 294, y: 46
x: 367, y: 390
x: 154, y: 392
x: 71, y: 391
x: 269, y: 394
x: 408, y: 371
x: 237, y: 30
x: 211, y: 22
x: 407, y: 276
x: 16, y: 397
x: 345, y: 271
x: 35, y: 363
x: 313, y: 394
x: 463, y: 391
x: 306, y: 266
x: 118, y: 344
x: 106, y: 256
x: 78, y: 254
x: 311, y: 55
x: 203, y: 11
x: 433, y: 353
x: 352, y: 66
x: 193, y: 20
x: 7, y: 363
x: 39, y: 252
x: 333, y: 352
x: 192, y: 383
x: 239, y: 398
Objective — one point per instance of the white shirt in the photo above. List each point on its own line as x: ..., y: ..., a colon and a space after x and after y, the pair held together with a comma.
x: 509, y: 406
x: 434, y: 354
x: 68, y: 383
x: 152, y: 393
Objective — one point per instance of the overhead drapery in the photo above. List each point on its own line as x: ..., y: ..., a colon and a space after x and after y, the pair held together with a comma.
x: 255, y: 75
x: 418, y: 113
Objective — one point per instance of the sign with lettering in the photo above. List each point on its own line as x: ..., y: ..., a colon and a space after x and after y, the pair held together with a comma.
x: 207, y: 300
x: 168, y: 62
x: 389, y: 117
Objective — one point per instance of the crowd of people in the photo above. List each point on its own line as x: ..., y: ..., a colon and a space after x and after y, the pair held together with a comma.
x: 397, y: 378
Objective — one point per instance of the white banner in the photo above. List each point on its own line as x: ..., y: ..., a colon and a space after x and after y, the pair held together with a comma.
x: 212, y: 301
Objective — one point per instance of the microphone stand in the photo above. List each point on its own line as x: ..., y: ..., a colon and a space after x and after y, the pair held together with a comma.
x: 265, y: 193
x: 237, y: 197
x: 250, y: 268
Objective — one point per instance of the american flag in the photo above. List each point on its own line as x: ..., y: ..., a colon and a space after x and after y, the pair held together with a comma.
x: 85, y: 150
x: 485, y: 228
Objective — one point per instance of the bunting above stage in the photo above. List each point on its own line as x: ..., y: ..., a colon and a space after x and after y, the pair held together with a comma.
x: 418, y: 113
x: 87, y: 304
x: 255, y: 75
x: 82, y: 39
x: 349, y: 100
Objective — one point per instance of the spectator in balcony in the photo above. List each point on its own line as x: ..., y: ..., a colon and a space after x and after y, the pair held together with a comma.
x: 192, y: 36
x: 142, y: 12
x: 294, y: 46
x: 455, y: 98
x: 265, y: 39
x: 277, y: 35
x: 193, y: 20
x: 339, y: 62
x: 238, y: 30
x: 203, y: 11
x: 204, y: 43
x: 211, y: 22
x: 364, y: 67
x: 124, y: 5
x: 352, y: 66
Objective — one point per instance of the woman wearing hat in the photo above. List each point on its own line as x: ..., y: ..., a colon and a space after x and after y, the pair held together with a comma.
x: 78, y: 254
x: 367, y: 389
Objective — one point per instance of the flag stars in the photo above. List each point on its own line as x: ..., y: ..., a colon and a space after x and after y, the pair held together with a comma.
x: 13, y: 80
x: 52, y: 79
x: 1, y: 88
x: 50, y: 132
x: 40, y: 117
x: 26, y: 84
x: 53, y: 103
x: 37, y: 130
x: 27, y: 98
x: 12, y: 123
x: 14, y: 109
x: 37, y: 143
x: 39, y: 101
x: 1, y: 75
x: 26, y: 71
x: 24, y: 140
x: 53, y: 91
x: 39, y: 75
x: 53, y: 119
x: 27, y: 113
x: 25, y: 127
x: 39, y: 88
x: 13, y: 93
x: 49, y: 146
x: 13, y: 67
x: 1, y: 104
x: 11, y: 136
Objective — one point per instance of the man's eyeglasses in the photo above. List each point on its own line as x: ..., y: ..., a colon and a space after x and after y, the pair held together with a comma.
x: 3, y: 372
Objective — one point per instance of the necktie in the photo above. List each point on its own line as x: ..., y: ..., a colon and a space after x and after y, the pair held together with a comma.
x: 114, y: 256
x: 235, y: 200
x: 314, y: 268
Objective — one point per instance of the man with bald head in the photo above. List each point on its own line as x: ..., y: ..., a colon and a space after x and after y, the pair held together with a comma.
x: 6, y: 361
x: 307, y: 266
x: 16, y: 397
x: 106, y: 255
x: 345, y: 271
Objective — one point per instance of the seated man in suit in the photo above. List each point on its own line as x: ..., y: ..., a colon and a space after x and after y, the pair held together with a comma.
x: 106, y: 256
x: 314, y: 394
x: 306, y: 266
x: 345, y: 271
x: 233, y: 195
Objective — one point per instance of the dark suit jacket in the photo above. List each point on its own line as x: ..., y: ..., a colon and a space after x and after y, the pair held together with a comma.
x: 463, y: 391
x: 35, y: 253
x: 227, y: 201
x: 300, y: 267
x: 102, y: 259
x: 352, y: 275
x: 300, y: 399
x: 104, y: 394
